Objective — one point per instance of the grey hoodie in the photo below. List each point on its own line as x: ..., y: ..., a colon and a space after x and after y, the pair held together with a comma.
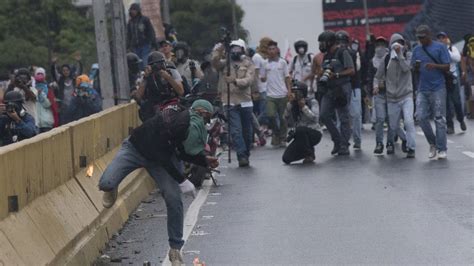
x: 398, y: 81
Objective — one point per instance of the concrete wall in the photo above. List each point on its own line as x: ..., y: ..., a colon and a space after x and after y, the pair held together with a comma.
x: 61, y: 219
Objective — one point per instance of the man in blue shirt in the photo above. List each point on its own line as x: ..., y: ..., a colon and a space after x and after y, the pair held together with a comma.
x: 431, y: 60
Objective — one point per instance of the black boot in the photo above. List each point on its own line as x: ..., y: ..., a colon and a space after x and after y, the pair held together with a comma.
x: 378, y: 149
x: 390, y: 148
x: 343, y: 150
x: 335, y: 149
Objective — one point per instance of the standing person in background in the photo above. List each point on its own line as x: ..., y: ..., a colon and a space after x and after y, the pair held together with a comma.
x: 23, y: 85
x: 432, y: 60
x: 300, y: 67
x: 259, y: 60
x: 277, y: 75
x: 64, y: 89
x: 453, y: 98
x: 140, y: 34
x: 189, y: 69
x: 241, y: 106
x: 166, y: 49
x: 47, y: 108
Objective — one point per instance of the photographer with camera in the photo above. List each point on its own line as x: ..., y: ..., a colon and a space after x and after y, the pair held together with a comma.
x: 189, y: 69
x: 240, y: 107
x: 163, y: 85
x: 15, y: 122
x: 23, y: 84
x: 334, y: 90
x: 304, y: 113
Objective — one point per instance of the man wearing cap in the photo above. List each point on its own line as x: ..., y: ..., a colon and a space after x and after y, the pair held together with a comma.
x: 166, y: 49
x: 452, y: 86
x: 158, y: 145
x: 241, y: 76
x: 431, y: 60
x: 140, y: 34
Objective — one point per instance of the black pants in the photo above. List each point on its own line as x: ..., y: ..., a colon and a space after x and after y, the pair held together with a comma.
x: 303, y: 144
x: 453, y: 101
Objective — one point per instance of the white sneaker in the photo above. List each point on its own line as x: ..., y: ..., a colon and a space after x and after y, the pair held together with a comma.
x: 432, y: 155
x: 175, y: 257
x: 109, y: 198
x: 187, y: 187
x: 442, y: 155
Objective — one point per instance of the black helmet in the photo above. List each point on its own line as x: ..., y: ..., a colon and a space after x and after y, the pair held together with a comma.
x: 155, y: 57
x: 342, y: 37
x: 133, y: 59
x: 326, y: 40
x: 14, y: 97
x: 22, y: 77
x: 301, y: 43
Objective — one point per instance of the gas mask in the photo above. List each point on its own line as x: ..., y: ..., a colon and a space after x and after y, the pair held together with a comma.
x: 180, y: 56
x: 236, y: 53
x: 323, y: 47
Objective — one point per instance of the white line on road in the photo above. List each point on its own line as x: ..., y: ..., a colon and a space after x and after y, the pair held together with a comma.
x: 420, y: 133
x: 469, y: 154
x: 450, y: 141
x: 192, y: 214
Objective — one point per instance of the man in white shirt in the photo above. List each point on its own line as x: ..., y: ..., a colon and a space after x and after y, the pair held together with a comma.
x: 453, y: 97
x: 259, y: 60
x: 277, y: 75
x: 300, y: 67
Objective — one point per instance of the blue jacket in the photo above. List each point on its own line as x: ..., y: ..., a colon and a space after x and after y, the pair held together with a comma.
x: 11, y: 132
x: 82, y: 106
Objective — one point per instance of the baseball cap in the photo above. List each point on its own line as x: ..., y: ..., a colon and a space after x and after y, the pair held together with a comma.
x: 441, y: 34
x: 422, y: 31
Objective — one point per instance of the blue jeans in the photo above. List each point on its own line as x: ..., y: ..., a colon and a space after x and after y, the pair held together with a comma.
x: 380, y: 105
x: 143, y: 52
x: 129, y: 159
x: 356, y: 115
x: 261, y: 108
x: 431, y: 104
x: 241, y: 130
x: 397, y: 110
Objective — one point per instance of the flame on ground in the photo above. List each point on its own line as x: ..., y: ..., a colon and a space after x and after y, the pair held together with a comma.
x: 90, y: 171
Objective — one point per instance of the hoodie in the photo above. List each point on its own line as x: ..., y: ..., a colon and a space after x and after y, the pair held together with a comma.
x: 397, y: 73
x: 140, y: 31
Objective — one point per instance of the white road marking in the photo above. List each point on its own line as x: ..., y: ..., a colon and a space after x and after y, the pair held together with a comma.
x: 192, y: 214
x: 450, y: 141
x: 420, y: 133
x: 469, y: 154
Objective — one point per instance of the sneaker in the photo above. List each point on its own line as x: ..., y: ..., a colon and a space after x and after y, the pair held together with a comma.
x: 109, y: 198
x: 410, y: 153
x: 463, y: 126
x: 378, y: 149
x: 343, y: 151
x: 390, y: 148
x: 450, y: 131
x: 442, y: 155
x: 175, y: 257
x: 404, y: 146
x: 432, y: 155
x: 244, y: 162
x: 187, y: 187
x: 357, y: 147
x: 335, y: 149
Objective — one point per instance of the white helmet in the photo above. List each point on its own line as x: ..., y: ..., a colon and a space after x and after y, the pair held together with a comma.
x: 240, y: 43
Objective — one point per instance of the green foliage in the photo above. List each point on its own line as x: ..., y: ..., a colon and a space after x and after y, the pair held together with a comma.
x: 198, y: 22
x: 33, y: 30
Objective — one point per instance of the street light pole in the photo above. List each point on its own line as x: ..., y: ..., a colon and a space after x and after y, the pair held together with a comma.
x: 366, y: 14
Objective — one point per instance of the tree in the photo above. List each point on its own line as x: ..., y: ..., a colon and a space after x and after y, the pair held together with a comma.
x: 198, y: 22
x: 32, y: 31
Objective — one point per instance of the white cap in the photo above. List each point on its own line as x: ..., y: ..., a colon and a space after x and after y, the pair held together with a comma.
x: 239, y: 42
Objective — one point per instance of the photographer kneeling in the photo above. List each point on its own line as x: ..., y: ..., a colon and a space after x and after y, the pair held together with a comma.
x: 305, y: 116
x: 15, y: 123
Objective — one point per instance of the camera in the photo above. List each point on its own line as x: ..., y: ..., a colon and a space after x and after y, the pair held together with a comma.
x: 299, y: 89
x: 291, y: 135
x: 158, y: 66
x: 326, y: 76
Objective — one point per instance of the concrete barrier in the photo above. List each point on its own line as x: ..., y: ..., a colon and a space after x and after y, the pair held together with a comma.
x: 60, y: 218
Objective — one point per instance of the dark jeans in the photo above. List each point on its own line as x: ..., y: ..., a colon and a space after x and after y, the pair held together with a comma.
x: 453, y: 101
x: 303, y: 144
x: 241, y: 130
x: 328, y: 109
x: 143, y: 53
x: 129, y: 159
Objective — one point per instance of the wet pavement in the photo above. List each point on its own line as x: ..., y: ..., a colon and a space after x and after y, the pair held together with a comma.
x: 359, y: 209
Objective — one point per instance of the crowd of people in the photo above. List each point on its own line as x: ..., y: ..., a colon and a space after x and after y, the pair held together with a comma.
x: 392, y: 83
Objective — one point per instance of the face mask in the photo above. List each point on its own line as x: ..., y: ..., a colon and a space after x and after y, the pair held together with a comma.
x: 301, y: 50
x: 236, y: 56
x: 39, y: 78
x: 380, y: 51
x: 355, y: 47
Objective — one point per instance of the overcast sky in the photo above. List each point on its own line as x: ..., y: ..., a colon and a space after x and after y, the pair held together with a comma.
x: 283, y: 20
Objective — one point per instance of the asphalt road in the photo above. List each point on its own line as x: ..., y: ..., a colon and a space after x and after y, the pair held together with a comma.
x: 359, y: 209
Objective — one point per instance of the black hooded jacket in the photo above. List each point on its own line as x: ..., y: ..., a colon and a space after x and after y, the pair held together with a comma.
x: 140, y: 32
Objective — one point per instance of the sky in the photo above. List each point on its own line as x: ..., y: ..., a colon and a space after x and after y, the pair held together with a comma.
x: 285, y: 21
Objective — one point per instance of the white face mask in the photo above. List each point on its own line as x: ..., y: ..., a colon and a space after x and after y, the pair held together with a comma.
x: 380, y: 51
x: 301, y: 51
x: 355, y: 47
